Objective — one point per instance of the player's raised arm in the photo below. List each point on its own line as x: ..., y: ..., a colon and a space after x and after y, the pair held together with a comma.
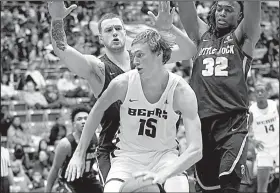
x: 86, y: 66
x: 193, y: 25
x: 62, y: 150
x: 249, y: 29
x: 185, y: 101
x: 116, y: 91
x: 184, y: 48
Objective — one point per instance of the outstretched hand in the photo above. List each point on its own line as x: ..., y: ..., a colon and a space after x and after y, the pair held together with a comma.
x: 75, y: 168
x: 163, y: 21
x: 58, y: 10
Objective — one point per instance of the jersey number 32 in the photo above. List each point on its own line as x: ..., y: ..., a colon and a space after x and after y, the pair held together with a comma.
x: 216, y: 67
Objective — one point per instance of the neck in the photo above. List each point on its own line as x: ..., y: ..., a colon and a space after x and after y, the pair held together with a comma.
x: 77, y: 135
x: 222, y: 32
x: 119, y: 58
x: 155, y: 80
x: 262, y: 104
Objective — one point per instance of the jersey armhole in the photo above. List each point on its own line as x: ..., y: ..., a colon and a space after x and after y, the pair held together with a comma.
x: 238, y: 43
x: 178, y: 79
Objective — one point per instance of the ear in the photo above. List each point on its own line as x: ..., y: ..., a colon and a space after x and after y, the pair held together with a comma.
x: 100, y: 38
x: 240, y: 16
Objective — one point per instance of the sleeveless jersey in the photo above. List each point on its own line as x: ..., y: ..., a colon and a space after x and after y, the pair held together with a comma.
x: 90, y: 159
x: 111, y: 117
x: 219, y: 75
x: 265, y: 124
x: 145, y: 126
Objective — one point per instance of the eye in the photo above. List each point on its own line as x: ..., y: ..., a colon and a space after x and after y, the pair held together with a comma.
x: 118, y: 28
x: 139, y: 55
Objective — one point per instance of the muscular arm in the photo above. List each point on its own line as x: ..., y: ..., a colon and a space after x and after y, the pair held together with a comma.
x: 188, y: 108
x: 249, y: 29
x: 193, y: 25
x: 86, y: 66
x: 116, y: 91
x: 62, y: 150
x: 185, y: 48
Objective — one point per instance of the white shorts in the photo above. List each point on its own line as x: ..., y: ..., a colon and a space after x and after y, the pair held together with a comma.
x: 125, y: 164
x: 268, y: 158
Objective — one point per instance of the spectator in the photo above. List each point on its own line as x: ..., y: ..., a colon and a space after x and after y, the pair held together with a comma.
x: 34, y: 99
x: 42, y: 164
x: 36, y: 75
x: 17, y: 134
x: 38, y: 181
x: 66, y: 86
x: 7, y: 88
x: 20, y: 154
x: 58, y: 131
x: 6, y: 120
x: 22, y: 182
x: 55, y: 100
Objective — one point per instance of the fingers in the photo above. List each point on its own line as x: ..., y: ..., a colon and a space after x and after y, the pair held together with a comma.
x: 167, y: 6
x: 160, y: 7
x: 71, y: 8
x: 152, y: 16
x: 138, y: 174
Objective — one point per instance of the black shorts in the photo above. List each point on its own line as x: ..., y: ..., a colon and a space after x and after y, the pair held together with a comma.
x: 5, y: 187
x: 81, y: 186
x: 104, y: 164
x: 224, y: 148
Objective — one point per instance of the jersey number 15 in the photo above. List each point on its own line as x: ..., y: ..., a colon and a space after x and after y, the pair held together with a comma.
x: 150, y: 131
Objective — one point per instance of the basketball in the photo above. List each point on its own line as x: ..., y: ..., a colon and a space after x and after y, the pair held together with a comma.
x: 139, y: 185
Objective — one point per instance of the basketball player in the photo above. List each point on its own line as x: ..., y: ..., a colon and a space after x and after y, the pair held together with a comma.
x: 265, y: 130
x: 151, y: 98
x: 220, y: 67
x: 99, y: 72
x: 64, y: 152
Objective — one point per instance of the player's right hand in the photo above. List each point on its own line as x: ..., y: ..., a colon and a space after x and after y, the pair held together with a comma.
x: 58, y: 10
x: 75, y: 168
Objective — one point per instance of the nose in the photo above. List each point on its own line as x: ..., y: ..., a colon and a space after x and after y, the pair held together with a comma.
x: 223, y: 13
x: 115, y: 33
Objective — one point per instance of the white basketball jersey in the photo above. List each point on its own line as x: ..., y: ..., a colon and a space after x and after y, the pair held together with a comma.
x: 145, y: 126
x: 266, y: 124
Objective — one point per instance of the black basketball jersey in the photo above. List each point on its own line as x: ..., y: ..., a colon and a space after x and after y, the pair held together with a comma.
x: 90, y: 159
x: 111, y: 119
x: 219, y: 75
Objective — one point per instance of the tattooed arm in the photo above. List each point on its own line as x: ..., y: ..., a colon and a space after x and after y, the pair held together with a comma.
x: 86, y: 66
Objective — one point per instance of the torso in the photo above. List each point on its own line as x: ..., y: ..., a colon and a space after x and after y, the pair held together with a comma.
x: 111, y: 118
x: 90, y: 159
x: 146, y: 126
x: 219, y: 75
x: 266, y: 124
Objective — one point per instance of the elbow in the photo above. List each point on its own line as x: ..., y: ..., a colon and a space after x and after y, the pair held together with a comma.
x: 198, y: 153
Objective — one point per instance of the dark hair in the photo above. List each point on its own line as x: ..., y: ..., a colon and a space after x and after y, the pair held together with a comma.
x: 108, y: 16
x: 211, y: 16
x: 77, y: 110
x: 18, y: 151
x: 20, y: 127
x: 41, y: 141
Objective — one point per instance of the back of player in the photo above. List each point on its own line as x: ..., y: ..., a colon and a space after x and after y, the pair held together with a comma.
x: 147, y: 134
x: 109, y: 122
x: 219, y: 81
x: 88, y: 181
x: 265, y: 128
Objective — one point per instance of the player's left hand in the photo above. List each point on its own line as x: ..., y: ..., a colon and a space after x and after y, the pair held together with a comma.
x: 155, y: 177
x: 163, y: 21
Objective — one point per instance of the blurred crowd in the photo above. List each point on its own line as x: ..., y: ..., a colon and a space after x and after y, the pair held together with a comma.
x: 34, y: 77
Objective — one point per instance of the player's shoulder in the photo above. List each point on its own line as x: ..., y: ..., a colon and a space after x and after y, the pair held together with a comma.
x: 253, y: 106
x: 183, y: 87
x: 64, y: 145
